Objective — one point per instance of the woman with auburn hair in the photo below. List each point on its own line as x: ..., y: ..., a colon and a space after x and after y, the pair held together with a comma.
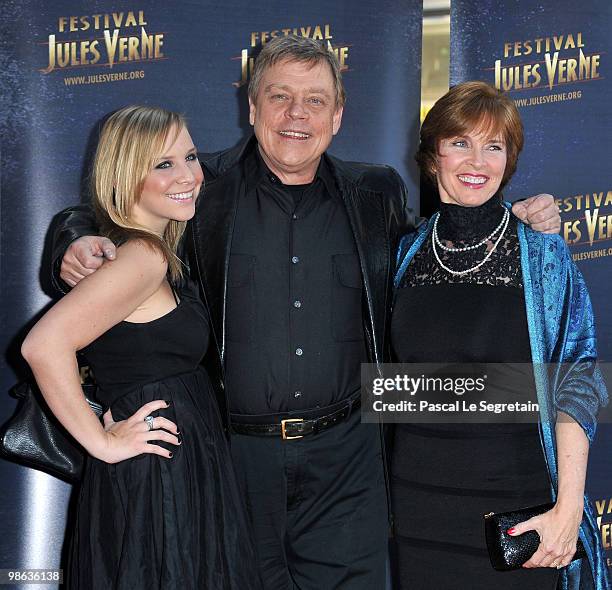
x: 158, y: 505
x: 502, y: 293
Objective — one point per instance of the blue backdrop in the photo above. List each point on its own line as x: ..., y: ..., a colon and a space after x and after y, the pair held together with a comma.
x: 66, y: 64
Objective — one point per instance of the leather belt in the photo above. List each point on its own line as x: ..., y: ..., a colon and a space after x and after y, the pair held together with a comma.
x: 291, y: 426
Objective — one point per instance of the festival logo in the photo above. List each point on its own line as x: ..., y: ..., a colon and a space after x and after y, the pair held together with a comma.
x: 105, y: 41
x: 556, y: 69
x: 587, y: 224
x: 551, y: 70
x: 603, y: 514
x: 561, y: 65
x: 318, y: 32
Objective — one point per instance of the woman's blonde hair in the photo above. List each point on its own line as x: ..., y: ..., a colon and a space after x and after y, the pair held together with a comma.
x: 132, y: 139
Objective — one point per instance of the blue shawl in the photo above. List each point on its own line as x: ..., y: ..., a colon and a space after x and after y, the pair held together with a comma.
x: 563, y: 349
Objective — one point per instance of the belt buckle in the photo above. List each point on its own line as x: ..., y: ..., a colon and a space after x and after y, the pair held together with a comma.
x: 284, y: 430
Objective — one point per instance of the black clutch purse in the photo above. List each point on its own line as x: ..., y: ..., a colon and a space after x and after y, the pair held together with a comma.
x: 510, y: 553
x: 34, y: 437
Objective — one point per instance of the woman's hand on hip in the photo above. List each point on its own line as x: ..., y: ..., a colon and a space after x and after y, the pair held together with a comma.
x: 558, y: 531
x: 131, y: 437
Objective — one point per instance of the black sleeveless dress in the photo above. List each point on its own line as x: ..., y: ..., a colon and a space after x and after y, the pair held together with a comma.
x: 150, y: 522
x: 444, y: 477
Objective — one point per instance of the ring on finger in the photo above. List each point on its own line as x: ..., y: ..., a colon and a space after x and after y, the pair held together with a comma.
x: 559, y: 566
x: 149, y: 421
x: 554, y: 564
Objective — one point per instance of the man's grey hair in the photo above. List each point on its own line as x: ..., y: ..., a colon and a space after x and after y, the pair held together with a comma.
x: 299, y: 49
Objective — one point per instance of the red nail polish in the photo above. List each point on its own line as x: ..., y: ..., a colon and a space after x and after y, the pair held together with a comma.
x: 510, y: 531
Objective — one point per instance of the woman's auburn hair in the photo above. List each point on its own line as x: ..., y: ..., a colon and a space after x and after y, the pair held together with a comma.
x: 132, y: 139
x: 468, y: 107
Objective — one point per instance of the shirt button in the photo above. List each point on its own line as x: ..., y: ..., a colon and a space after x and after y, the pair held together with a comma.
x: 295, y: 259
x: 294, y: 216
x: 297, y: 394
x: 299, y: 351
x: 297, y: 304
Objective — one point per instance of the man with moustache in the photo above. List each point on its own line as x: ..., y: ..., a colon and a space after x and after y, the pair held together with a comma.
x: 294, y: 250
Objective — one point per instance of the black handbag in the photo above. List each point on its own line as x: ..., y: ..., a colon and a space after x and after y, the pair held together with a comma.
x: 34, y: 437
x: 510, y: 553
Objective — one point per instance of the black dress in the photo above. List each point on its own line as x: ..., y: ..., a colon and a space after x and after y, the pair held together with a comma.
x: 150, y: 522
x: 446, y: 476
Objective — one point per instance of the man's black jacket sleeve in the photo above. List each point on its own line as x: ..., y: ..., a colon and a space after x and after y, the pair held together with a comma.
x: 76, y: 222
x: 72, y: 223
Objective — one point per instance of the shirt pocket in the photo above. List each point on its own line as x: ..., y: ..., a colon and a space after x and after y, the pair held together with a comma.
x: 240, y: 315
x: 347, y: 294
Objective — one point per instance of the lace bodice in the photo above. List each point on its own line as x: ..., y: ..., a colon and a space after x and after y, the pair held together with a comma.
x: 459, y: 227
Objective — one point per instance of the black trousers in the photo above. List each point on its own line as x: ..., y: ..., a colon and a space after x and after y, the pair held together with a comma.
x: 318, y: 507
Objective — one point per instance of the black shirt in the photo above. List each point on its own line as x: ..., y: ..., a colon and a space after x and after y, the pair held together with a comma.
x: 294, y: 327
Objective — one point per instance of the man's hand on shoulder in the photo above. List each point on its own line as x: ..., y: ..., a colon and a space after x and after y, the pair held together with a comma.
x: 540, y: 212
x: 84, y: 256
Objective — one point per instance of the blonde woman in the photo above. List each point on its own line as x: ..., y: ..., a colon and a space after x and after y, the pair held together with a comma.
x: 158, y: 506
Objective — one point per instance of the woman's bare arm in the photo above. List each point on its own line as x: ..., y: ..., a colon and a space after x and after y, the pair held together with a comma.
x: 558, y: 528
x: 97, y: 303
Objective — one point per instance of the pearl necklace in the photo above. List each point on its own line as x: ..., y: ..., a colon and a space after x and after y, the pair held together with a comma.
x: 503, y: 225
x: 467, y: 248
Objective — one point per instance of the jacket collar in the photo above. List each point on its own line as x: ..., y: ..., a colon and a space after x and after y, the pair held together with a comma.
x: 255, y: 169
x: 331, y: 169
x: 219, y: 163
